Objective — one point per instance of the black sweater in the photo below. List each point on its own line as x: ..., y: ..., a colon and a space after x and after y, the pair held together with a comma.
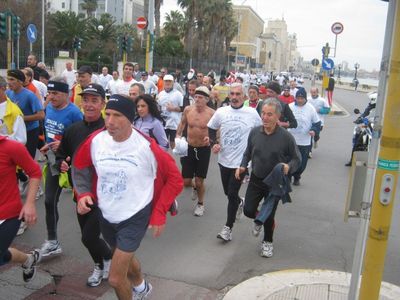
x: 266, y: 151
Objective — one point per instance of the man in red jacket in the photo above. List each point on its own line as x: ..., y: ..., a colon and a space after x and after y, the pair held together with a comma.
x: 132, y: 186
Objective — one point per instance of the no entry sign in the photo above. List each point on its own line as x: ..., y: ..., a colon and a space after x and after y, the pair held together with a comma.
x: 141, y: 23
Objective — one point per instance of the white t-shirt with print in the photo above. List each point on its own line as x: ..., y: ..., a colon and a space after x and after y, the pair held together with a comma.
x: 235, y: 126
x: 123, y: 86
x: 305, y: 116
x: 126, y: 172
x: 172, y: 118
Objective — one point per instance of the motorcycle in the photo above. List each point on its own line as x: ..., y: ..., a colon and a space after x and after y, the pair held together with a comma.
x: 362, y: 133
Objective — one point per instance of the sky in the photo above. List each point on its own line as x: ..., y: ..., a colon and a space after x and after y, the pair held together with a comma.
x: 361, y: 41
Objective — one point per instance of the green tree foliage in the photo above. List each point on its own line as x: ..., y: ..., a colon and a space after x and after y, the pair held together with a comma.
x: 90, y: 6
x: 174, y: 24
x: 169, y: 45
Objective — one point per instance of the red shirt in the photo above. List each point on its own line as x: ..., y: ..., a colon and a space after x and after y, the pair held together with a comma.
x: 287, y: 99
x: 13, y: 154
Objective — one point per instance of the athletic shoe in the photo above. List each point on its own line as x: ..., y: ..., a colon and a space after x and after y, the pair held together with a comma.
x: 296, y: 182
x: 199, y: 210
x: 39, y: 193
x: 194, y: 195
x: 106, y: 268
x: 239, y: 212
x: 256, y: 229
x: 315, y: 145
x: 143, y: 294
x: 267, y: 249
x: 348, y: 164
x: 29, y: 270
x: 225, y: 234
x: 22, y: 228
x: 96, y: 277
x: 309, y: 155
x: 50, y: 247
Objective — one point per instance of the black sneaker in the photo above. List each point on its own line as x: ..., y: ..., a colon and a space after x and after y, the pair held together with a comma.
x: 29, y: 271
x: 296, y: 182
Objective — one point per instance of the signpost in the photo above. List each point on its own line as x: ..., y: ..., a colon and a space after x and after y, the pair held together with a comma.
x: 31, y: 33
x: 141, y: 23
x: 315, y: 62
x: 336, y: 28
x: 327, y: 64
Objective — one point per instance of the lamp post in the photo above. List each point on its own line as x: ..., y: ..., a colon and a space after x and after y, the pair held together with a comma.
x: 339, y: 68
x: 100, y: 29
x: 356, y: 67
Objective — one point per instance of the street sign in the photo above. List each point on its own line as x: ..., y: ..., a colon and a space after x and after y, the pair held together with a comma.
x: 337, y: 28
x: 141, y: 23
x: 31, y: 33
x: 315, y: 62
x: 327, y: 64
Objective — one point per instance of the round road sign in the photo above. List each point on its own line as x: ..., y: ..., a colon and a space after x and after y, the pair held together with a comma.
x: 315, y: 62
x: 141, y: 23
x: 337, y: 28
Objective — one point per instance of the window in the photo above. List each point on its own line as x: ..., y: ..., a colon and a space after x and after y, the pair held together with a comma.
x: 63, y: 5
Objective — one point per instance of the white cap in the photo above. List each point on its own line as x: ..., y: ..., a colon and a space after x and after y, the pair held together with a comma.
x: 168, y: 77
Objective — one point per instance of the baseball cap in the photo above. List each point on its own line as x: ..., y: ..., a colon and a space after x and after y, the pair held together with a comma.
x: 168, y: 77
x: 203, y: 90
x: 144, y: 74
x: 94, y: 89
x: 85, y: 69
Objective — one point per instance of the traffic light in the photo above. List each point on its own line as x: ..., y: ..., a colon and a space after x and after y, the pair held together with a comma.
x: 3, y: 25
x: 77, y: 43
x: 129, y: 44
x: 16, y: 26
x: 124, y: 43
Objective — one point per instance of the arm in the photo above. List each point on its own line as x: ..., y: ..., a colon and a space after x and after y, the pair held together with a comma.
x: 294, y: 154
x: 247, y: 153
x: 159, y: 134
x: 183, y: 123
x: 35, y: 117
x: 292, y: 122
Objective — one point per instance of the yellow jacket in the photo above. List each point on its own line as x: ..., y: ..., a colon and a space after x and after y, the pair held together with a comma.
x: 11, y: 114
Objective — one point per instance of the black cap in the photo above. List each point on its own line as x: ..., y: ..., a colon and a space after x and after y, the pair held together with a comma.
x: 122, y: 104
x: 94, y: 89
x: 85, y: 69
x: 301, y: 92
x: 17, y: 74
x: 145, y: 74
x: 274, y: 86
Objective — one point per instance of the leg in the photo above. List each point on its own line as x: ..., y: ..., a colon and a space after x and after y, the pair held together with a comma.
x: 255, y: 192
x: 304, y: 150
x: 201, y: 162
x: 233, y: 197
x: 8, y: 231
x: 52, y: 195
x: 269, y: 224
x: 120, y: 264
x: 199, y: 186
x: 32, y: 139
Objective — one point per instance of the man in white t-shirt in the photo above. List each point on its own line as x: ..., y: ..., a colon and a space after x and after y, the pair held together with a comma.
x: 104, y: 78
x: 136, y: 183
x: 69, y: 74
x: 127, y: 79
x: 170, y: 101
x: 308, y: 124
x: 149, y: 86
x: 112, y: 84
x: 322, y: 107
x: 235, y: 123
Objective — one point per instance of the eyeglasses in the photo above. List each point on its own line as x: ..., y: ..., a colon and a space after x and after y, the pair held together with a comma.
x: 235, y: 94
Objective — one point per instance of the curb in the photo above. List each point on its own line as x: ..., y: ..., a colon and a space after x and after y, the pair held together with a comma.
x: 285, y: 282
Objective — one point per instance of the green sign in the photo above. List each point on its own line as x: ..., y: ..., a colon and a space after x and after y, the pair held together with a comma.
x: 390, y: 165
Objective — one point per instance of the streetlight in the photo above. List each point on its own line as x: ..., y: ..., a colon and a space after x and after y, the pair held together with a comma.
x: 100, y: 29
x: 356, y: 67
x: 339, y: 68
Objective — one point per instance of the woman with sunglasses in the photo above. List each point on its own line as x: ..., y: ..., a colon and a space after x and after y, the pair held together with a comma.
x: 149, y: 120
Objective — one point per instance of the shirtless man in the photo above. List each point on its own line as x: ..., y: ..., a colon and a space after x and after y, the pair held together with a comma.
x: 195, y: 164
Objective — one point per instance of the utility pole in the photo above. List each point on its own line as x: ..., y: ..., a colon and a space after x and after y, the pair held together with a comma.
x: 387, y: 173
x: 150, y: 36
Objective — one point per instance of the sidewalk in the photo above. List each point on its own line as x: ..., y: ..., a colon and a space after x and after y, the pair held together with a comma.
x: 302, y: 285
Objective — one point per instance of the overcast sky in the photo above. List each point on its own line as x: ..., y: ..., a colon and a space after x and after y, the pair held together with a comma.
x: 364, y: 24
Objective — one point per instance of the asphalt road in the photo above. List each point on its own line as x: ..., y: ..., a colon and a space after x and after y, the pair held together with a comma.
x: 188, y: 259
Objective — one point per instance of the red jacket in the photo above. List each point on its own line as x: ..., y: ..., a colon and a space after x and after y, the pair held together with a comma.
x: 167, y: 185
x: 13, y: 154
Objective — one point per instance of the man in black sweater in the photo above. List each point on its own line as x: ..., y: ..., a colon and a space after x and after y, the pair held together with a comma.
x: 267, y: 146
x: 93, y: 101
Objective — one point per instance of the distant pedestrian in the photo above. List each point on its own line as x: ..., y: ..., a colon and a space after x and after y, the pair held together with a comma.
x: 104, y: 78
x: 322, y: 108
x: 69, y: 74
x: 122, y: 87
x: 329, y: 89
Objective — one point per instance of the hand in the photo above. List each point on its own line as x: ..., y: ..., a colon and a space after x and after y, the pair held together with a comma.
x: 28, y: 213
x: 54, y: 145
x: 311, y: 133
x: 286, y: 169
x: 206, y: 140
x: 44, y: 149
x: 83, y: 205
x: 157, y: 230
x: 216, y: 148
x: 65, y: 165
x: 239, y: 171
x: 283, y: 124
x: 170, y: 107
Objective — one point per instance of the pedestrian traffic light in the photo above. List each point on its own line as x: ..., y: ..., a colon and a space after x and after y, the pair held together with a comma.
x: 16, y: 26
x: 3, y: 25
x: 77, y: 43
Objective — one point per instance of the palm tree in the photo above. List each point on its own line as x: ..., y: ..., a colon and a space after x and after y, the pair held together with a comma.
x: 65, y: 26
x: 90, y: 6
x: 157, y: 8
x: 174, y: 24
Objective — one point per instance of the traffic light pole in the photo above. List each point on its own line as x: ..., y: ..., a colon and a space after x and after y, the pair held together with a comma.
x: 387, y: 174
x: 9, y: 42
x: 150, y: 36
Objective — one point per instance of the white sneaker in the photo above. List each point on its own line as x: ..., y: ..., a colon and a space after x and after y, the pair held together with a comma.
x: 143, y: 294
x: 239, y: 212
x: 225, y: 234
x: 194, y: 195
x: 267, y: 249
x: 199, y: 210
x: 50, y: 247
x: 96, y: 277
x: 256, y: 229
x: 106, y: 268
x: 22, y: 228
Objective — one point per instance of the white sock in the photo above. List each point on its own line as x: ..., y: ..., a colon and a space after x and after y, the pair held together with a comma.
x: 140, y: 288
x: 28, y: 262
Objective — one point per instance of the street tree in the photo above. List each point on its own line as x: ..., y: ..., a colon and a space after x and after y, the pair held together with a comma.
x: 90, y: 6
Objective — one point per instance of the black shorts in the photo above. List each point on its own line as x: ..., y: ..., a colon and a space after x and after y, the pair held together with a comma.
x: 195, y: 164
x: 171, y: 134
x: 128, y: 234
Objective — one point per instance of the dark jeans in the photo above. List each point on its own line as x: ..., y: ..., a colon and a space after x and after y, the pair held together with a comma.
x: 8, y: 231
x: 256, y: 191
x: 52, y: 196
x: 32, y: 140
x: 90, y: 229
x: 231, y: 189
x: 304, y: 151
